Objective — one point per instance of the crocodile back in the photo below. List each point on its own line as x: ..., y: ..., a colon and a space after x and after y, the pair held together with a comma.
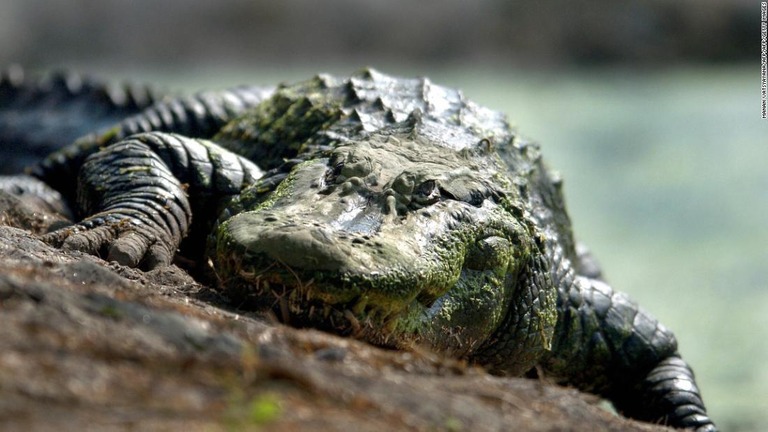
x: 41, y: 115
x: 328, y: 110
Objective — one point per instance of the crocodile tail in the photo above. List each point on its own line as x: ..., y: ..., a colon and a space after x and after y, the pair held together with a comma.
x: 669, y: 395
x: 41, y: 114
x: 200, y: 115
x: 605, y: 343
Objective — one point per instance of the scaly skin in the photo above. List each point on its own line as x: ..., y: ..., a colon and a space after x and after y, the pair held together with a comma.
x: 45, y: 114
x: 392, y: 210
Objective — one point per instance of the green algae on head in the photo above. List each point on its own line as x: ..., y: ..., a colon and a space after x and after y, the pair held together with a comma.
x: 392, y: 232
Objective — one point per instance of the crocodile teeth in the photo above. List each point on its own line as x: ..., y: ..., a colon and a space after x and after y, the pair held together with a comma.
x: 390, y: 326
x: 360, y: 306
x: 353, y: 321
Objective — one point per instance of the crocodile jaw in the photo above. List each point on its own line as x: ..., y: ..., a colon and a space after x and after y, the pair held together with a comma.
x: 381, y: 279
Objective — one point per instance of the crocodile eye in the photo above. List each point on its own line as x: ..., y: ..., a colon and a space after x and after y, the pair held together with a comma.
x: 426, y: 193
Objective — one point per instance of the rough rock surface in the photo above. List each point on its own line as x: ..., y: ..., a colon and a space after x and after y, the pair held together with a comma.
x: 91, y: 345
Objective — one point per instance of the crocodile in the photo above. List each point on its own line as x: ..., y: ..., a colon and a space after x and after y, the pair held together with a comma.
x: 386, y: 209
x: 44, y: 113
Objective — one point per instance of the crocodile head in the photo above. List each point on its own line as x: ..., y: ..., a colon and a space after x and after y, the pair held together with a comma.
x: 393, y: 238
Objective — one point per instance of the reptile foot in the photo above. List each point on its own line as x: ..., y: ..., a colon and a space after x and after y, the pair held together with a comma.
x: 125, y: 240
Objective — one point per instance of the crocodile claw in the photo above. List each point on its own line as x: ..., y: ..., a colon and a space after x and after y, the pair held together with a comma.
x: 120, y: 239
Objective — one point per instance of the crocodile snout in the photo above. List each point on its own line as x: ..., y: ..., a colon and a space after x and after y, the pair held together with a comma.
x: 300, y: 241
x: 295, y: 245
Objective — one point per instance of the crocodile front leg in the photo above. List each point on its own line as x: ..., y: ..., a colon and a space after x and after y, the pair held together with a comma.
x: 141, y: 194
x: 604, y: 343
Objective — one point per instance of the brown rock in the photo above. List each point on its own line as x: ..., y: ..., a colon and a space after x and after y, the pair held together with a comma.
x: 85, y: 344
